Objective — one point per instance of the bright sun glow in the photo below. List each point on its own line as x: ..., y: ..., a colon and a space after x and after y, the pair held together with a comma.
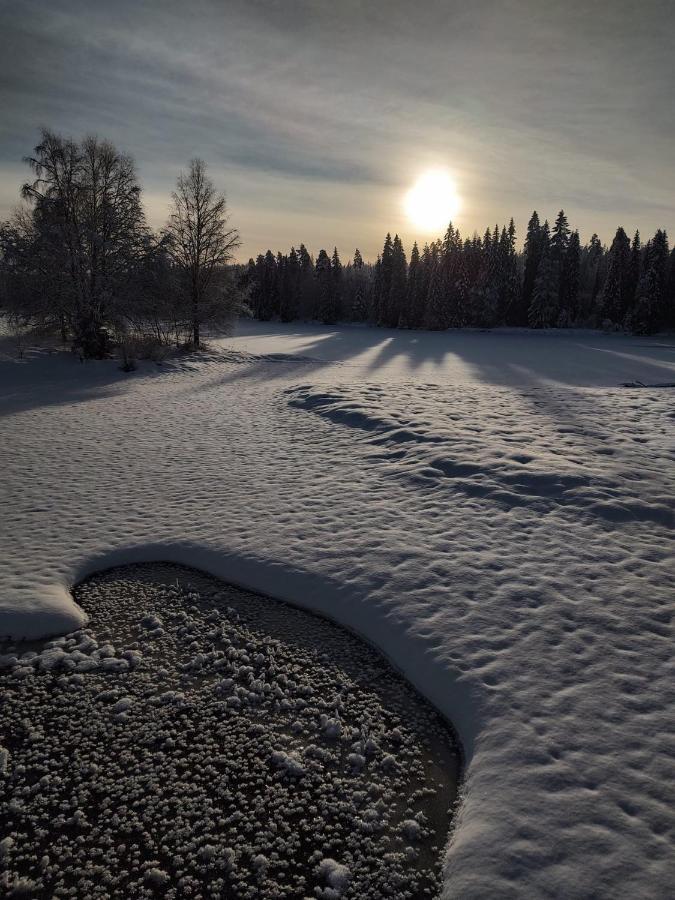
x: 432, y: 201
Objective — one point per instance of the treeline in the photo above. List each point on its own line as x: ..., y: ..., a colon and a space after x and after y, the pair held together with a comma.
x: 478, y: 281
x: 80, y: 257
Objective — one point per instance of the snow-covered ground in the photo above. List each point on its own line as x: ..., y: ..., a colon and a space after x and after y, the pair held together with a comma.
x: 493, y: 510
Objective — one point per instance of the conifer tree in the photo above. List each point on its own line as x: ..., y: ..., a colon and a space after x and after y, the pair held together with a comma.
x: 615, y: 300
x: 532, y: 255
x: 569, y: 282
x: 397, y: 288
x: 656, y: 256
x: 336, y: 286
x: 669, y: 302
x: 410, y: 317
x: 426, y: 268
x: 436, y: 318
x: 560, y: 236
x: 635, y: 264
x: 644, y: 319
x: 454, y: 282
x: 512, y: 285
x: 324, y: 279
x: 307, y: 293
x: 590, y: 279
x: 289, y: 287
x: 386, y: 265
x: 544, y: 308
x: 376, y: 297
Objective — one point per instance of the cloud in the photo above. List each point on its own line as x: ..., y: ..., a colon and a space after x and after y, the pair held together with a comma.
x: 319, y: 115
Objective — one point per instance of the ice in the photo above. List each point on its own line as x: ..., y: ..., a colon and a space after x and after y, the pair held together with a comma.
x: 494, y: 511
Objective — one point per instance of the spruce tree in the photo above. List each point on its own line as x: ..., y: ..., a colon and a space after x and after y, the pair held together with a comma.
x: 560, y: 236
x: 657, y: 257
x: 635, y: 265
x: 532, y: 255
x: 289, y: 287
x: 386, y: 264
x: 336, y: 286
x: 307, y: 288
x: 376, y: 294
x: 614, y: 301
x: 644, y: 319
x: 397, y: 288
x: 436, y: 318
x: 669, y: 302
x: 269, y: 300
x: 569, y: 282
x: 590, y: 279
x: 324, y: 280
x: 544, y: 307
x: 410, y: 317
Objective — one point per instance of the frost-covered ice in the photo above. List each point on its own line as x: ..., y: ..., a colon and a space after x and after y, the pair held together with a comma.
x: 494, y: 510
x: 170, y: 787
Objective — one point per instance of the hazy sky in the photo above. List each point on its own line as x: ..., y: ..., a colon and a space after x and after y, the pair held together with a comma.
x: 315, y: 117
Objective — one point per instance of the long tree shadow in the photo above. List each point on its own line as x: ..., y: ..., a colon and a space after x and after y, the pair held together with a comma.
x: 500, y: 357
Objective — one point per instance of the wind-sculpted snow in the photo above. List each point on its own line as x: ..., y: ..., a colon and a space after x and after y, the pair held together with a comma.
x: 471, y: 448
x: 509, y: 547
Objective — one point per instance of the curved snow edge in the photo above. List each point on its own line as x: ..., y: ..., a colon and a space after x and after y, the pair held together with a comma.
x: 36, y: 615
x: 54, y: 611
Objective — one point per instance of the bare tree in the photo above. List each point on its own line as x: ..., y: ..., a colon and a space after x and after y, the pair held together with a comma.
x: 87, y: 207
x: 201, y: 244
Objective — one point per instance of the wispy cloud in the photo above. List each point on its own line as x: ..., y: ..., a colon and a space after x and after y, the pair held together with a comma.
x: 316, y: 115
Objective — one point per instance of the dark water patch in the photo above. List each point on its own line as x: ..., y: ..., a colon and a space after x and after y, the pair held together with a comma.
x: 198, y: 739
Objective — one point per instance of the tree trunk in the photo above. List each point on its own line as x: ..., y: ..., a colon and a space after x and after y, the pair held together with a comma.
x: 195, y: 327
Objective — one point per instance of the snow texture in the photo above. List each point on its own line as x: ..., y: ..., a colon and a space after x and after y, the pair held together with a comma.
x: 494, y: 511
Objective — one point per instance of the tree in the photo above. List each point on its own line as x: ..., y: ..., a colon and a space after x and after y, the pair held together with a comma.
x: 544, y: 308
x: 201, y: 244
x: 656, y: 257
x: 590, y: 279
x: 307, y: 302
x: 615, y: 299
x: 384, y: 282
x: 336, y: 286
x: 534, y: 248
x: 669, y: 302
x: 87, y: 215
x: 398, y: 284
x: 560, y: 237
x: 436, y: 313
x: 324, y: 278
x: 635, y: 263
x: 569, y: 282
x: 411, y: 314
x: 644, y: 319
x: 288, y: 298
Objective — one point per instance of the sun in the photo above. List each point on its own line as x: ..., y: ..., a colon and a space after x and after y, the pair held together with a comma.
x: 432, y: 201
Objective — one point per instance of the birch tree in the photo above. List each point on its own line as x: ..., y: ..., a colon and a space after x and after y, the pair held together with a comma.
x: 201, y: 243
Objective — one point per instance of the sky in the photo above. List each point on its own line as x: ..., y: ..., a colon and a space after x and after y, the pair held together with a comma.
x: 315, y: 117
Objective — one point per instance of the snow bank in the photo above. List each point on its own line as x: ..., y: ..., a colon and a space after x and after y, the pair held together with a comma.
x: 33, y: 609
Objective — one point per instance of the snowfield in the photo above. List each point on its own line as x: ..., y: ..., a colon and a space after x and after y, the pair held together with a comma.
x: 494, y: 511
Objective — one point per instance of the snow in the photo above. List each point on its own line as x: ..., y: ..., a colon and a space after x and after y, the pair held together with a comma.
x: 493, y: 510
